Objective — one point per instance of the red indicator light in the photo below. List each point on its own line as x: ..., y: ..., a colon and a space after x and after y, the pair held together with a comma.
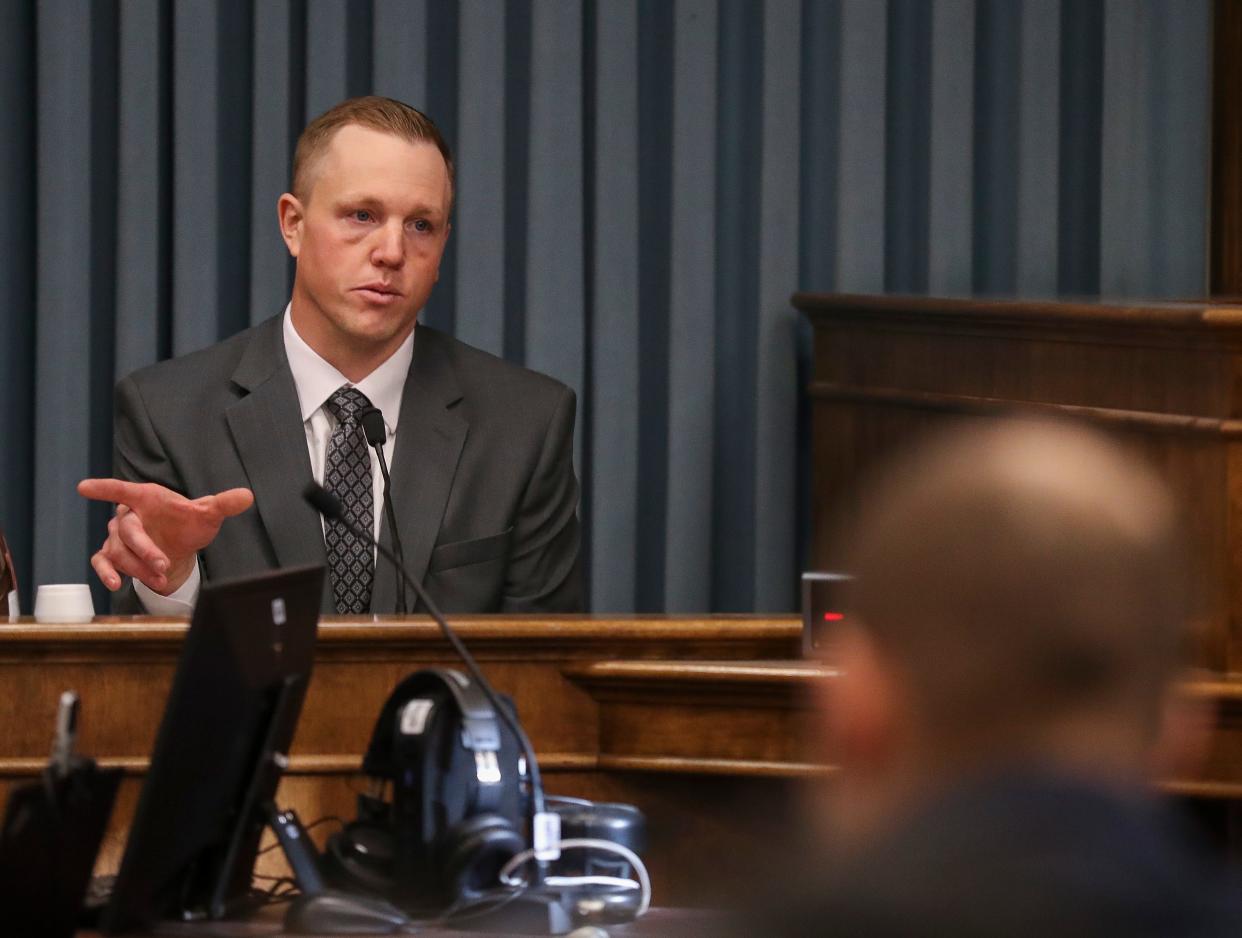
x: 833, y: 616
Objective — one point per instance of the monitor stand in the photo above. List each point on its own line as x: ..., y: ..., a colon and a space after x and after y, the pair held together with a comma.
x: 267, y: 770
x: 320, y: 910
x: 323, y: 911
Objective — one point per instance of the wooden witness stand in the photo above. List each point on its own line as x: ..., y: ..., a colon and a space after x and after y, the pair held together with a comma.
x: 700, y: 722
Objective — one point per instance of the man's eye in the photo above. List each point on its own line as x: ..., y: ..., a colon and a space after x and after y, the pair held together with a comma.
x: 421, y: 224
x: 362, y: 215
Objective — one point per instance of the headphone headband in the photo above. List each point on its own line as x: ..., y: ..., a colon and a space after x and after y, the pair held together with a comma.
x: 480, y: 725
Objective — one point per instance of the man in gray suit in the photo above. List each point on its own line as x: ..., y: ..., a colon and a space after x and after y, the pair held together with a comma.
x: 483, y: 484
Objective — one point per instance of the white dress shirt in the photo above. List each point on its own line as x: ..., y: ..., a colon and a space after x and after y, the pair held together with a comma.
x: 315, y: 381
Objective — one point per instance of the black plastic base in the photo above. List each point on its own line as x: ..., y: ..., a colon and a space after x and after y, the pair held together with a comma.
x: 532, y: 913
x: 337, y: 913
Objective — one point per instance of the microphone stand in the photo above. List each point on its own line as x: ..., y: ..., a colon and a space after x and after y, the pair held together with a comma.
x: 544, y: 827
x: 372, y: 421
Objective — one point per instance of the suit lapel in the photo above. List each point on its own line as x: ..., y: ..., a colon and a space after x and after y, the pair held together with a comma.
x: 267, y: 430
x: 430, y: 436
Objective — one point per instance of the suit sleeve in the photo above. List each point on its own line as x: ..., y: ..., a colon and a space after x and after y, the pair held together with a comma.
x: 544, y: 573
x: 137, y: 456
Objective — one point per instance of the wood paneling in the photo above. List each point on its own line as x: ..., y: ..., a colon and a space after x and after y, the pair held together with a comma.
x: 1164, y: 378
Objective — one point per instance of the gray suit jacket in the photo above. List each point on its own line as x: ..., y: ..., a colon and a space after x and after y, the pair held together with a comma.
x: 482, y: 478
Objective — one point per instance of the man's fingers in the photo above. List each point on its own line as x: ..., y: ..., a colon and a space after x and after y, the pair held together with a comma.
x: 111, y: 490
x: 133, y: 535
x: 116, y: 560
x: 105, y: 571
x: 231, y: 501
x: 130, y: 564
x: 123, y: 560
x: 145, y: 497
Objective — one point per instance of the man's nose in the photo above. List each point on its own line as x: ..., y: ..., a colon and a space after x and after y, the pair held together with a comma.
x: 389, y: 247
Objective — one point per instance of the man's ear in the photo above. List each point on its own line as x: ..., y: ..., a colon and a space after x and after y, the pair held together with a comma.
x: 291, y: 214
x: 864, y: 705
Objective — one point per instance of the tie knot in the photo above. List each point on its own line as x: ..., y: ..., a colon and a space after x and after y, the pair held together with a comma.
x: 345, y: 403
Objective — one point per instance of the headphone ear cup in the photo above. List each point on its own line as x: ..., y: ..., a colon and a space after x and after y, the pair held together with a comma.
x: 361, y: 857
x: 473, y: 853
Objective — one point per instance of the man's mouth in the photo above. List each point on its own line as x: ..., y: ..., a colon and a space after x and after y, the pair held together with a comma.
x: 380, y: 293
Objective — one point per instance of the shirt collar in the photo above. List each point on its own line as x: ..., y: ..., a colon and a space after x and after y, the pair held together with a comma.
x: 315, y: 379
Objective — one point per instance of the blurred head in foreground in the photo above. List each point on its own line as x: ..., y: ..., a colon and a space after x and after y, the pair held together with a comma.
x: 1020, y: 593
x: 1019, y: 598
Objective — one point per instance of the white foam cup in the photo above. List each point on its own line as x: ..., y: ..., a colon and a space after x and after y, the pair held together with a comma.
x: 64, y: 602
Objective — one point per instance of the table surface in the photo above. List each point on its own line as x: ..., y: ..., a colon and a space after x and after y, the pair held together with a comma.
x: 268, y: 924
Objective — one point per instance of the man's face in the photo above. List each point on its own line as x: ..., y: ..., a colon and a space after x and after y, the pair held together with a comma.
x: 368, y: 241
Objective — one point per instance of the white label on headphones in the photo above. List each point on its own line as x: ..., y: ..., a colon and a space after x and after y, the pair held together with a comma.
x: 414, y: 716
x: 486, y: 768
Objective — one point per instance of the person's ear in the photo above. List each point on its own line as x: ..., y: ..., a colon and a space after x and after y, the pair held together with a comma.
x: 863, y: 705
x: 291, y: 214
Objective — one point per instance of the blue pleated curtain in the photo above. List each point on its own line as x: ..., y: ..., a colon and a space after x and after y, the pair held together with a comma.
x: 642, y: 185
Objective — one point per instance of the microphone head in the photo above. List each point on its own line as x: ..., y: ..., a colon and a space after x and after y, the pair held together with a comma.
x: 373, y: 425
x: 322, y: 500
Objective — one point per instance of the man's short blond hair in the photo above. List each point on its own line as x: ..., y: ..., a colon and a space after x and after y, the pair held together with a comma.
x: 383, y: 114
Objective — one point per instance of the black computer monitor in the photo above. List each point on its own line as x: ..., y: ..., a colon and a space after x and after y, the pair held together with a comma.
x: 227, y: 725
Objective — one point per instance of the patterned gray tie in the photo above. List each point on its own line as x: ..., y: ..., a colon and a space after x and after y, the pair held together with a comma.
x: 347, y: 475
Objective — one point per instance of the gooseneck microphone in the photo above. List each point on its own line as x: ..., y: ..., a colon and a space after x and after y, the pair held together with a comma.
x: 373, y: 426
x: 544, y: 826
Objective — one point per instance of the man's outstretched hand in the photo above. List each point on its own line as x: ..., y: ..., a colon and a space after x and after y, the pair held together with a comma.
x: 156, y: 534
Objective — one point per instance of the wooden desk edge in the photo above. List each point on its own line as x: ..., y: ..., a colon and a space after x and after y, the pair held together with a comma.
x: 419, y: 629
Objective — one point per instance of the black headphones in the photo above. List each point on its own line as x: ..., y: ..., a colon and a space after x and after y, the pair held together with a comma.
x: 457, y: 802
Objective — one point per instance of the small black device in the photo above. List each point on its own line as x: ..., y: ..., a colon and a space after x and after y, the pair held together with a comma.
x: 823, y: 608
x: 50, y: 836
x: 220, y: 750
x: 298, y: 849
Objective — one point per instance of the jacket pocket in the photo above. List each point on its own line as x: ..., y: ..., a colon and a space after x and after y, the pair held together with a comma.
x: 464, y: 553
